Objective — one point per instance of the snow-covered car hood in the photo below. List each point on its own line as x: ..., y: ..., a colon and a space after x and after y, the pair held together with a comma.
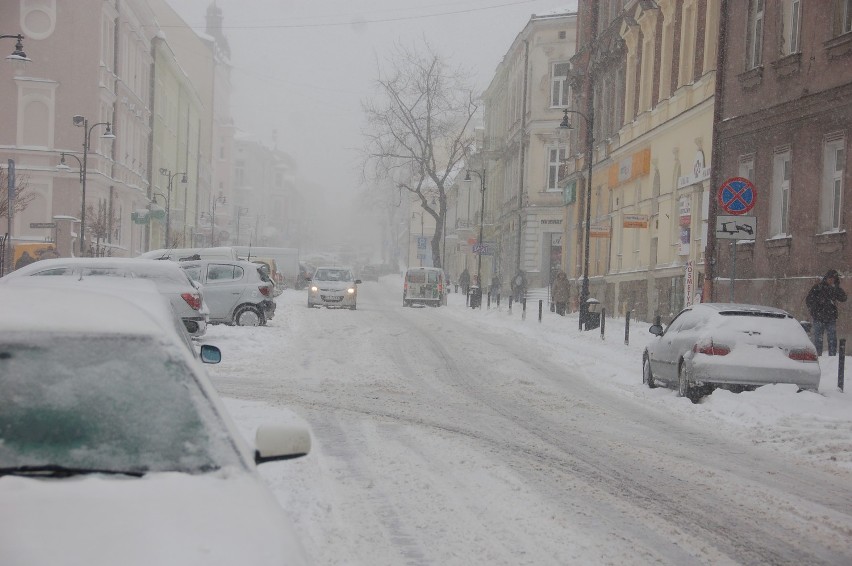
x: 166, y: 518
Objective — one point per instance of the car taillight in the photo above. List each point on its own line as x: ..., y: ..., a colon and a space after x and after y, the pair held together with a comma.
x: 711, y: 349
x: 264, y: 290
x: 802, y: 355
x: 192, y: 299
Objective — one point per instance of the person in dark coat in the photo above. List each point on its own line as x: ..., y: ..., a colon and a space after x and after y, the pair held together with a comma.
x: 464, y: 281
x: 561, y: 293
x: 519, y: 286
x: 822, y: 302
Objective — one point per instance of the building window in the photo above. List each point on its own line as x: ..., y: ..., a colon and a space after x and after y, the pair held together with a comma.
x: 559, y: 85
x: 781, y: 175
x: 843, y: 17
x: 755, y: 34
x: 792, y: 15
x: 556, y: 157
x: 833, y: 164
x: 239, y: 172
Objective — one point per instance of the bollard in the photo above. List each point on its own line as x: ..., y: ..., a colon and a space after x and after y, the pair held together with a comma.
x: 627, y: 329
x: 489, y: 300
x: 498, y: 300
x: 603, y: 322
x: 841, y: 363
x: 510, y: 304
x: 523, y: 309
x: 540, y: 304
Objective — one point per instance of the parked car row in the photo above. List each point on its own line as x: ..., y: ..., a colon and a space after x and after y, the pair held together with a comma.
x: 220, y: 291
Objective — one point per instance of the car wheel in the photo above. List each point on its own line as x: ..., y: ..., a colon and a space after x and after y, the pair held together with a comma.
x: 248, y: 316
x: 647, y: 374
x: 684, y: 387
x: 352, y: 308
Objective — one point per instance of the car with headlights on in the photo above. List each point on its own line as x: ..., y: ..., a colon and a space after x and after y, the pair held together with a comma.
x: 186, y: 297
x: 116, y: 449
x: 333, y: 287
x: 238, y: 292
x: 731, y: 346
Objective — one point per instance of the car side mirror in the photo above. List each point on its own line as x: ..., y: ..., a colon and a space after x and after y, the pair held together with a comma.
x: 210, y: 354
x: 281, y: 442
x: 656, y: 329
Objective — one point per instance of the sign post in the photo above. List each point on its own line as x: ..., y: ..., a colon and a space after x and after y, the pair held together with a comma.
x: 736, y: 196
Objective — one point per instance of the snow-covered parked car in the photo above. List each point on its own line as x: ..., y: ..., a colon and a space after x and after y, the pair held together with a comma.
x: 115, y: 447
x: 731, y: 346
x: 238, y: 292
x: 185, y: 296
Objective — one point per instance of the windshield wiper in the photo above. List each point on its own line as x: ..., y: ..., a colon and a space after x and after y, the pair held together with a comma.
x: 57, y: 471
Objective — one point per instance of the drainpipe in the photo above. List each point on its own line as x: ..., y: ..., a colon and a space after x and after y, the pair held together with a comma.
x: 522, y: 156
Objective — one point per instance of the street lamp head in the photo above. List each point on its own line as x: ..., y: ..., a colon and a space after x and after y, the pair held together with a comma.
x: 62, y: 165
x: 18, y: 55
x: 108, y: 135
x: 184, y: 179
x: 79, y: 120
x: 565, y: 124
x: 467, y: 176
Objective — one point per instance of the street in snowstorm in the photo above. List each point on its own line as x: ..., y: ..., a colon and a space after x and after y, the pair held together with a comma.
x: 456, y: 436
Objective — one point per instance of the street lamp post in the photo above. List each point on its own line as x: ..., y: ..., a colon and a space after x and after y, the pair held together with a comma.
x: 590, y: 145
x: 241, y: 211
x: 419, y: 255
x: 80, y: 121
x: 168, y: 197
x: 481, y: 222
x: 219, y: 199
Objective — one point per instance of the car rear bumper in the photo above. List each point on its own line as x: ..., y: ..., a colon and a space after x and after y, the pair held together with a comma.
x: 717, y: 370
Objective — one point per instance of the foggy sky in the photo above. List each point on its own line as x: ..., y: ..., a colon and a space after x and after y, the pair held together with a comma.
x: 303, y: 67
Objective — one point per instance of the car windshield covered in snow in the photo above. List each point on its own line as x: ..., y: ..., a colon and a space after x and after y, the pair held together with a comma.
x: 111, y: 402
x: 327, y: 274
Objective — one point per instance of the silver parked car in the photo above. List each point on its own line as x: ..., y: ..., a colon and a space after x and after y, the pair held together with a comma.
x: 238, y: 292
x: 333, y: 287
x: 171, y: 281
x: 730, y: 346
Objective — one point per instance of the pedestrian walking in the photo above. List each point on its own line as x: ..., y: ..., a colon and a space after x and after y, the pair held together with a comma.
x: 519, y: 285
x: 822, y: 302
x: 561, y: 292
x: 495, y: 286
x: 464, y: 281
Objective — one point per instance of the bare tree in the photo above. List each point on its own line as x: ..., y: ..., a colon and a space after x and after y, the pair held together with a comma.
x: 419, y: 129
x: 23, y: 196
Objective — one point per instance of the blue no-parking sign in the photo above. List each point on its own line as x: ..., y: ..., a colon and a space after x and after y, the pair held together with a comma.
x: 736, y: 195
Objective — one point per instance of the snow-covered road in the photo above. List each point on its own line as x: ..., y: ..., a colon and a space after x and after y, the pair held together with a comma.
x: 453, y: 436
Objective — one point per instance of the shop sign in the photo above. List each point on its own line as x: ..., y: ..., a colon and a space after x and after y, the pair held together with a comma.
x: 551, y: 221
x: 629, y: 168
x: 599, y: 231
x: 699, y: 172
x: 569, y: 193
x: 689, y: 285
x: 635, y: 220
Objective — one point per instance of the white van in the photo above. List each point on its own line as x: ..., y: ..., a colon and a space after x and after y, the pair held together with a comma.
x: 425, y: 286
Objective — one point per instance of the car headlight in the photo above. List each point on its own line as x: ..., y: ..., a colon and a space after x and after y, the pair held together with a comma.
x: 314, y: 289
x: 350, y: 290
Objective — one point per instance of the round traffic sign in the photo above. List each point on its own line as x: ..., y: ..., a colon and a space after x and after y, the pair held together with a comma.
x: 736, y: 195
